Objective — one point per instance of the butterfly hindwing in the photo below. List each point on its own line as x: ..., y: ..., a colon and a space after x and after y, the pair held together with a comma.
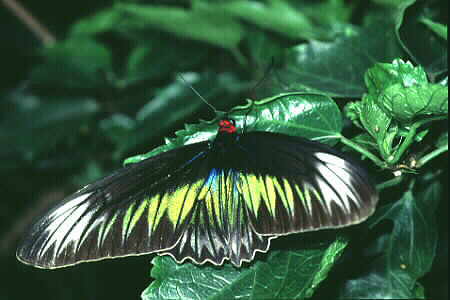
x: 220, y: 228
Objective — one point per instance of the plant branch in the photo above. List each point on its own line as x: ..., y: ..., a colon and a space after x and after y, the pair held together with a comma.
x: 410, y: 137
x: 430, y: 156
x: 30, y: 22
x: 363, y: 151
x: 390, y: 183
x: 405, y: 144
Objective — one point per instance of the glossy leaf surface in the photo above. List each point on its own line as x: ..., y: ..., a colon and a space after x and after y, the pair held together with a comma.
x: 403, y: 91
x: 336, y: 68
x: 297, y: 114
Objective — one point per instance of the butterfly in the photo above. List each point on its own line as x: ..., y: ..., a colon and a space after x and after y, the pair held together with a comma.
x: 211, y: 201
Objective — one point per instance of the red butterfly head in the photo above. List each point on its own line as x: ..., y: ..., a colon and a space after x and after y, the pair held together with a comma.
x: 228, y: 126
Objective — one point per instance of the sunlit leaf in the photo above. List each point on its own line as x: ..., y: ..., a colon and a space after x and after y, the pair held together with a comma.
x: 307, y: 115
x: 403, y: 91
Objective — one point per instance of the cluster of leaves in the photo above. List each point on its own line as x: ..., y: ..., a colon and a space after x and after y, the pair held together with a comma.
x: 111, y: 87
x: 393, y: 113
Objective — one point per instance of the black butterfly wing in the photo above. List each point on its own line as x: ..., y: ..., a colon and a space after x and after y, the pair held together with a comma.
x: 205, y: 203
x: 290, y: 184
x: 176, y: 203
x: 265, y: 185
x: 123, y: 214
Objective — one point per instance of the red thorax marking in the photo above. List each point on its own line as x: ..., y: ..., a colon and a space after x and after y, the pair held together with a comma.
x: 227, y: 126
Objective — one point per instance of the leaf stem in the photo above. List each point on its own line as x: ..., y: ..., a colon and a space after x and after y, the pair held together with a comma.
x: 30, y: 22
x: 405, y: 145
x: 390, y: 183
x: 363, y: 151
x: 239, y: 57
x: 432, y: 155
x: 410, y: 138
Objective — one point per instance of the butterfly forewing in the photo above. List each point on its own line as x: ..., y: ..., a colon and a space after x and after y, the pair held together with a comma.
x: 129, y: 212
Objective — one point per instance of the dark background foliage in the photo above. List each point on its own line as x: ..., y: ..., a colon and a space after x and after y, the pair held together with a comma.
x: 107, y: 90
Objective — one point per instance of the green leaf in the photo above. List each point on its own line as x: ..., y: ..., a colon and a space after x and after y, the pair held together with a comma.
x: 75, y: 63
x: 214, y: 28
x: 275, y: 15
x: 395, y: 3
x: 425, y: 49
x: 419, y: 292
x: 404, y: 92
x: 101, y: 22
x: 399, y: 94
x: 368, y: 115
x: 297, y: 114
x: 337, y: 68
x: 442, y: 140
x: 366, y: 140
x: 117, y: 128
x: 440, y: 29
x: 382, y: 76
x: 408, y: 251
x: 329, y: 14
x: 38, y: 129
x: 158, y: 59
x: 92, y: 171
x: 405, y: 104
x: 285, y: 275
x: 262, y: 49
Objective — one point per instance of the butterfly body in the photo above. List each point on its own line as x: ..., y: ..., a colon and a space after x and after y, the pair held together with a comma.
x: 207, y: 202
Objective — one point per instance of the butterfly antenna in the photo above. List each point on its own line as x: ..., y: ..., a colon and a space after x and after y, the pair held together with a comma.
x: 197, y: 93
x: 267, y: 71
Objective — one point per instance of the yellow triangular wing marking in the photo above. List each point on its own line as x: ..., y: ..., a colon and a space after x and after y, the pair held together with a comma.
x: 271, y: 195
x: 137, y: 215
